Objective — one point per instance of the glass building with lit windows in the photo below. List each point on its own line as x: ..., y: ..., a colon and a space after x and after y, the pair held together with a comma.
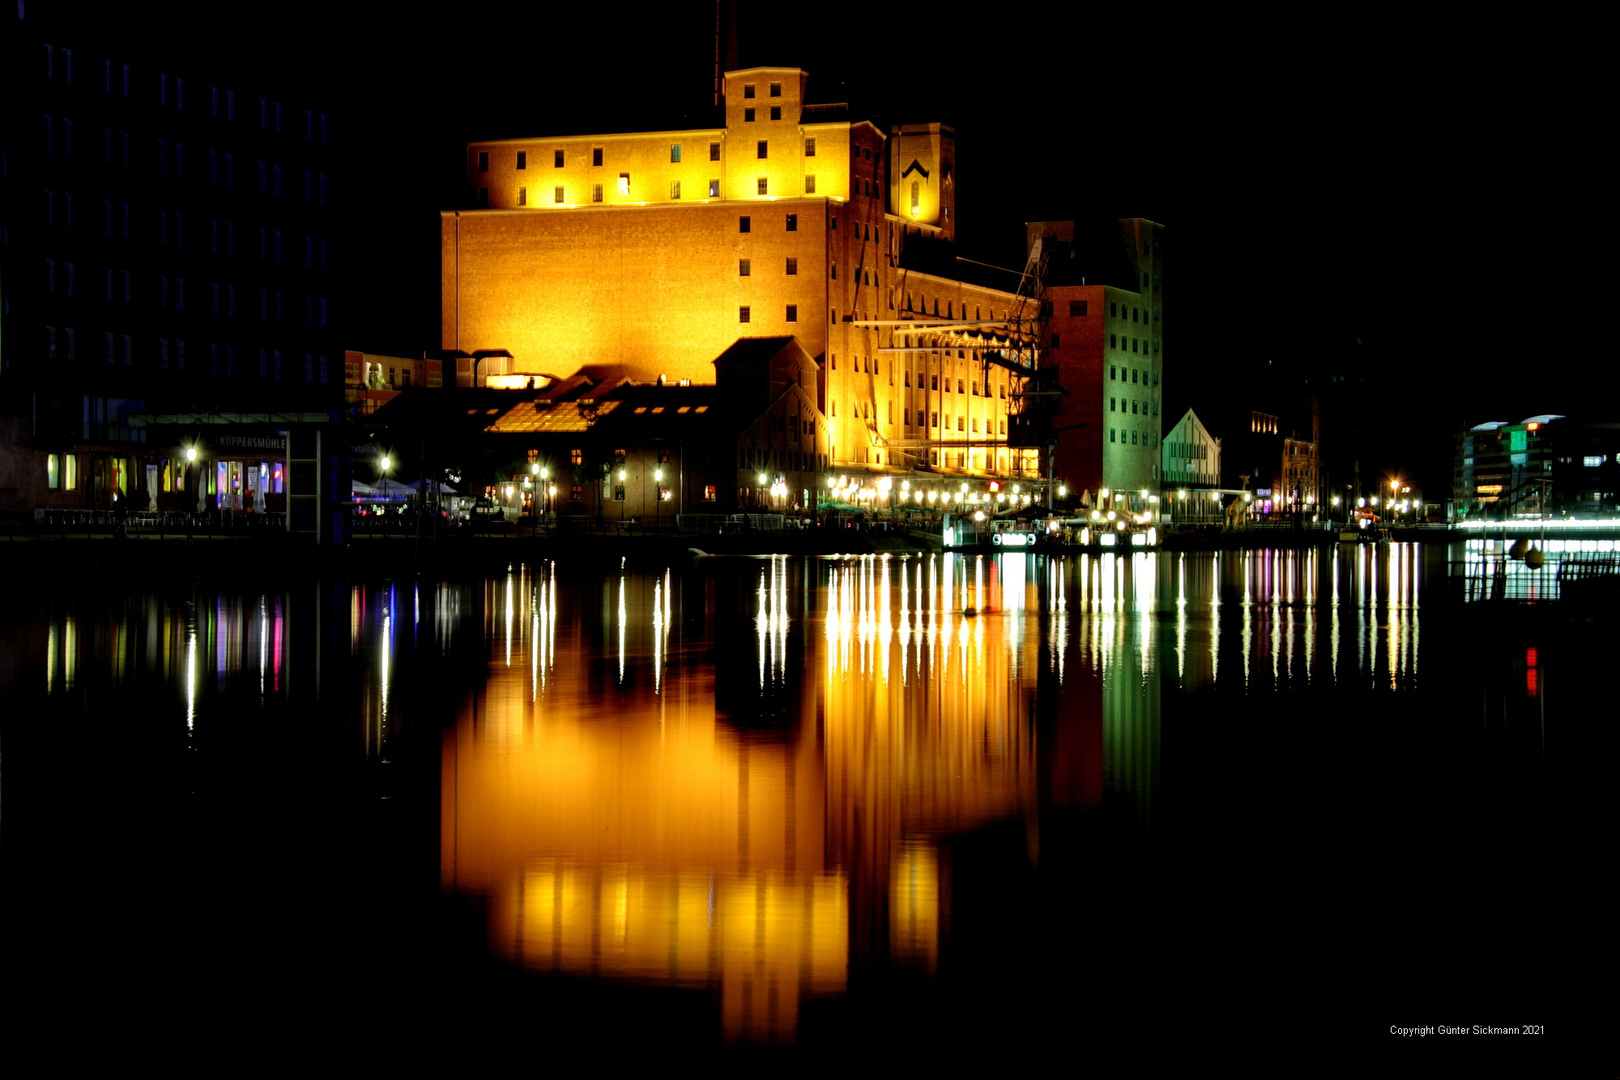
x: 1543, y: 465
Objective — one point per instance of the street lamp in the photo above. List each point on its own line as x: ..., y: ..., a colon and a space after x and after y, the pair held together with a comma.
x: 658, y: 499
x: 545, y: 475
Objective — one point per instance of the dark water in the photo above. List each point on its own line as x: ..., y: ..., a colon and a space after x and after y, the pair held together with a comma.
x: 924, y: 810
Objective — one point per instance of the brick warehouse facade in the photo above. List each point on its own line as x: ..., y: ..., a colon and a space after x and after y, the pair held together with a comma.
x: 644, y: 256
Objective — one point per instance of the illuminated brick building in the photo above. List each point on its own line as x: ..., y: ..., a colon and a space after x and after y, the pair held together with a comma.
x: 645, y: 255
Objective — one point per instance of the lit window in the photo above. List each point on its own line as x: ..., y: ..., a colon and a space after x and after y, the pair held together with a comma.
x: 624, y: 183
x: 523, y: 196
x: 744, y: 314
x: 674, y: 189
x: 714, y: 189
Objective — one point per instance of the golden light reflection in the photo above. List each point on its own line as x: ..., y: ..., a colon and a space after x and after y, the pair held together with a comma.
x: 914, y: 906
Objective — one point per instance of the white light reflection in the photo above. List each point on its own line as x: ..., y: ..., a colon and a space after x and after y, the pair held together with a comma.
x: 509, y: 617
x: 622, y: 620
x: 191, y: 673
x: 387, y: 666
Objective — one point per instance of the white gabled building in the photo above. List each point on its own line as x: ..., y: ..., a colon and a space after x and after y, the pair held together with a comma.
x: 1190, y: 455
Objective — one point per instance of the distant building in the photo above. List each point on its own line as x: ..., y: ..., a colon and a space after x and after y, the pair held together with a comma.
x: 167, y: 272
x: 644, y: 256
x: 370, y: 380
x: 1545, y: 464
x: 1274, y: 451
x: 1190, y: 455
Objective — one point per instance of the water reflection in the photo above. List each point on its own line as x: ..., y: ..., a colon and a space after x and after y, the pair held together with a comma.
x: 749, y: 777
x: 762, y: 819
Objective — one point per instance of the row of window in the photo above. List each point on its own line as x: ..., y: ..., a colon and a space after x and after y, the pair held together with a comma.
x: 745, y: 267
x: 120, y: 349
x: 170, y: 158
x: 171, y: 93
x: 170, y: 227
x: 1148, y: 438
x: 559, y: 157
x: 1137, y: 406
x: 964, y: 424
x: 61, y: 279
x: 1119, y: 374
x: 748, y: 90
x: 1115, y: 308
x: 745, y: 313
x: 1117, y: 341
x: 558, y: 193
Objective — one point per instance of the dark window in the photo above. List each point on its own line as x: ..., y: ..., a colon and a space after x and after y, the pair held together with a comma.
x: 764, y: 150
x: 675, y: 153
x: 557, y: 159
x: 483, y: 161
x: 810, y: 147
x: 596, y: 193
x: 596, y: 156
x: 523, y: 159
x: 793, y: 313
x: 714, y: 151
x: 792, y: 266
x: 743, y: 267
x: 1055, y: 342
x: 776, y: 89
x: 745, y: 224
x: 748, y: 116
x: 776, y: 112
x: 1077, y: 307
x: 793, y: 223
x: 809, y: 185
x: 764, y: 186
x: 743, y: 314
x: 748, y: 90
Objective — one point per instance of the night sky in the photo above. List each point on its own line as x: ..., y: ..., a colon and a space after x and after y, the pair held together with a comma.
x: 1418, y: 205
